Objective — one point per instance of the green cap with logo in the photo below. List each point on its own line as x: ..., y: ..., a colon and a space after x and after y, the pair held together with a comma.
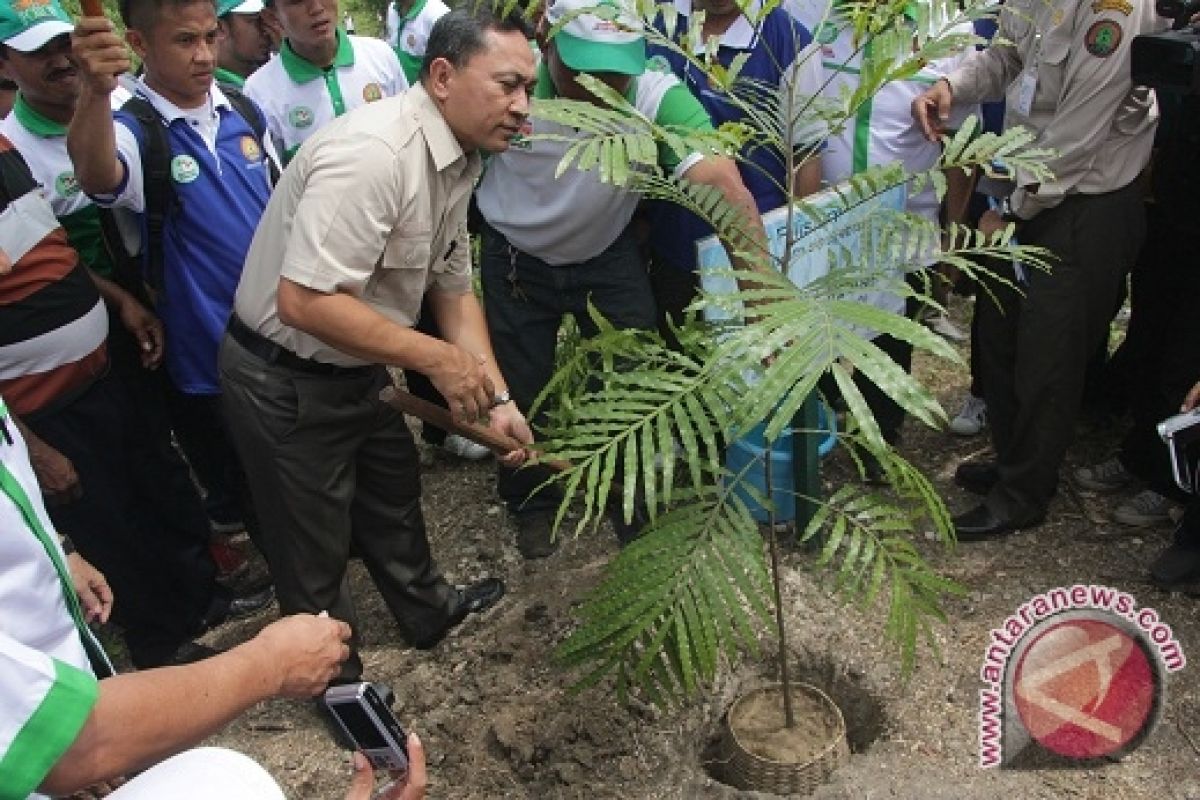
x: 600, y: 36
x: 26, y: 25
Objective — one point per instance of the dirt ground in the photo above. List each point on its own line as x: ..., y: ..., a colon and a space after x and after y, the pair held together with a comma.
x: 497, y: 720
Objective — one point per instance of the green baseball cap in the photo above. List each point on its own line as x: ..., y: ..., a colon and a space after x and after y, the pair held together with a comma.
x: 238, y: 7
x: 26, y: 25
x: 601, y: 36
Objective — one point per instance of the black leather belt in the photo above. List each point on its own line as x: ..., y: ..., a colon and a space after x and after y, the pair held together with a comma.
x: 272, y: 353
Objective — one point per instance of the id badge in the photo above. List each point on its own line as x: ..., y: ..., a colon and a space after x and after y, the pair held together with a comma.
x: 1026, y: 91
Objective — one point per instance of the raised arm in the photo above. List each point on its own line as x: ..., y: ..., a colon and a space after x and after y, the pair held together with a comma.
x: 91, y: 139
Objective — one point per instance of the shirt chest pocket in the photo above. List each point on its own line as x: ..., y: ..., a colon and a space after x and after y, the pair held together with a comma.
x: 403, y: 269
x: 1053, y: 58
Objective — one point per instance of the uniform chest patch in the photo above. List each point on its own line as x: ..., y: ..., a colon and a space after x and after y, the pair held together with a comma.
x: 1103, y: 38
x: 1120, y: 6
x: 300, y: 117
x: 250, y: 149
x: 65, y: 185
x: 372, y: 92
x: 184, y: 169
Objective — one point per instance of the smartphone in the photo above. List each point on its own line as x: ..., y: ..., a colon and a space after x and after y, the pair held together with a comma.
x: 370, y: 724
x: 1179, y: 433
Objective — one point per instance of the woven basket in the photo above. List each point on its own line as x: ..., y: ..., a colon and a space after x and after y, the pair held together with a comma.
x: 745, y: 770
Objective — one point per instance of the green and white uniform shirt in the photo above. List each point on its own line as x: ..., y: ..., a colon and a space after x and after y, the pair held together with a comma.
x: 298, y: 98
x: 883, y: 130
x: 575, y: 217
x: 47, y: 688
x: 409, y: 34
x: 43, y: 145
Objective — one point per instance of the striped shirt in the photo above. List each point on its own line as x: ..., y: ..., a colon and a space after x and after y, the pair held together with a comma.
x: 52, y: 321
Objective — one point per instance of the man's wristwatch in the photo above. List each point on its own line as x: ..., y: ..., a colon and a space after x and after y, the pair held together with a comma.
x: 501, y: 399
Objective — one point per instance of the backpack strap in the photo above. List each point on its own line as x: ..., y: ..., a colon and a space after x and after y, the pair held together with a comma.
x: 160, y: 194
x: 254, y: 118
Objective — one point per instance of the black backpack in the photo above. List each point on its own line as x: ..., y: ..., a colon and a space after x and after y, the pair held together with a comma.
x: 161, y: 199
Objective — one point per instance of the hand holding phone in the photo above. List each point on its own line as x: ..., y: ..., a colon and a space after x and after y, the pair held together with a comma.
x: 370, y: 724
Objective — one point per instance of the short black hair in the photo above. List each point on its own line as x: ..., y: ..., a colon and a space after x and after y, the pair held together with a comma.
x: 460, y: 34
x: 140, y: 15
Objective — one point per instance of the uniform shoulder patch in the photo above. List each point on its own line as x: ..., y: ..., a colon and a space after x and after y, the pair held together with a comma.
x: 1103, y: 38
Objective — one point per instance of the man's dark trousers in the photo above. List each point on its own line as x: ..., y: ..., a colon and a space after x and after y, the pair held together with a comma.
x: 329, y: 463
x: 1034, y: 347
x: 526, y: 300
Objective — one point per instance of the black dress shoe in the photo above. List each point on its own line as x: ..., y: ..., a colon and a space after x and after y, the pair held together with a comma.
x: 224, y: 608
x: 1177, y: 567
x: 191, y: 652
x: 980, y: 524
x: 473, y: 599
x: 977, y: 477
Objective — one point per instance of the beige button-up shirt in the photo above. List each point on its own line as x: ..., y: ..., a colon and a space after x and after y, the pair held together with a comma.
x: 373, y: 205
x: 1075, y: 55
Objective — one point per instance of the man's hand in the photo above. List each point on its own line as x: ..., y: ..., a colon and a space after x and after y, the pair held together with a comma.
x: 55, y: 473
x: 459, y: 377
x: 411, y: 786
x: 146, y: 329
x: 931, y: 109
x: 99, y: 54
x: 305, y: 651
x: 95, y: 596
x: 1192, y: 399
x: 991, y: 223
x: 509, y: 420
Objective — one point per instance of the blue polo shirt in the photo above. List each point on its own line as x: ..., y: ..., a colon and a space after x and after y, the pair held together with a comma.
x: 774, y: 49
x: 221, y: 183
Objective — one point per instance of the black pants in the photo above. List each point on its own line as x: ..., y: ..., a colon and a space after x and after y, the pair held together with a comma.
x: 526, y: 301
x: 1161, y: 351
x: 1035, y: 346
x: 139, y: 521
x: 419, y: 385
x: 329, y: 464
x: 200, y: 429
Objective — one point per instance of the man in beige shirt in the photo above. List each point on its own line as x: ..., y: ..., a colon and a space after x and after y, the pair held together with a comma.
x: 1063, y: 68
x: 370, y: 217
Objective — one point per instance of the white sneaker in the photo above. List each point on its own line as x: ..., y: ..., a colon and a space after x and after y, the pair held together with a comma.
x: 1107, y: 476
x: 943, y: 326
x: 972, y: 419
x: 463, y: 447
x: 1144, y: 509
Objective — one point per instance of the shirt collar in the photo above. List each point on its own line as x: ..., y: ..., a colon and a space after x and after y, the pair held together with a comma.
x: 741, y: 35
x: 416, y: 9
x: 171, y: 112
x: 34, y: 122
x: 302, y: 70
x: 443, y: 145
x: 223, y: 75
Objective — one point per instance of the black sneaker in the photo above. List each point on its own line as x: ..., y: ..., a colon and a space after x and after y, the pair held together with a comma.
x: 1177, y: 567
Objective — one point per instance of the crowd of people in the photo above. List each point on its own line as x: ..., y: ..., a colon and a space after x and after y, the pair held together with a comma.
x: 210, y: 266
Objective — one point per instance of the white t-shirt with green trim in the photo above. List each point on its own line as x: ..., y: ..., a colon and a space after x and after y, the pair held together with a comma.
x: 409, y: 34
x: 298, y: 98
x: 47, y: 688
x: 575, y: 217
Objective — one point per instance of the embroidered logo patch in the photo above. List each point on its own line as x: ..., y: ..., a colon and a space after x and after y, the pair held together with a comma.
x: 658, y: 63
x: 300, y: 116
x: 250, y: 149
x: 65, y: 185
x: 184, y: 169
x: 1120, y: 6
x: 1103, y: 38
x: 372, y: 92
